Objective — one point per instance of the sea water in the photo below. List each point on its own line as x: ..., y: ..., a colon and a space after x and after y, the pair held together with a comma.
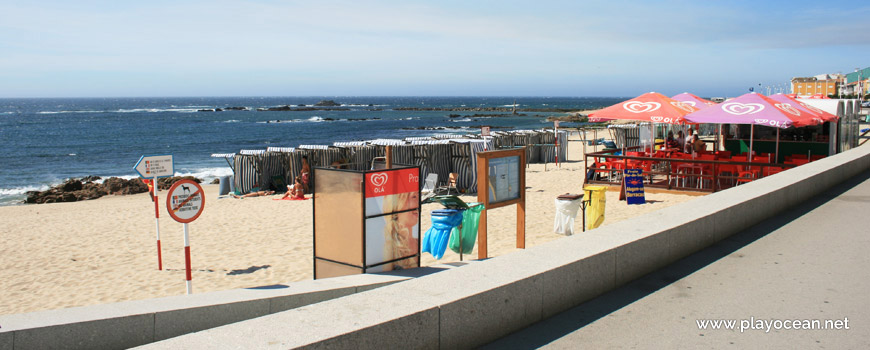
x: 45, y: 141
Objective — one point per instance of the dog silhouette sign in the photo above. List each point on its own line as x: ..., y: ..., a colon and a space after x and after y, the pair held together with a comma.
x: 185, y: 201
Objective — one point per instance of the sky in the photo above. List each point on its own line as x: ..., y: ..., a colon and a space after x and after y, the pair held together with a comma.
x: 422, y: 48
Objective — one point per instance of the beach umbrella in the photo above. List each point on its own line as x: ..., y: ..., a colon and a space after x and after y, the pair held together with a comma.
x: 803, y: 107
x: 651, y: 107
x: 693, y: 100
x: 754, y: 109
x: 699, y: 103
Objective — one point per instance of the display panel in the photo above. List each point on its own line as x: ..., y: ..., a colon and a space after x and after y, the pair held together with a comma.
x: 392, y: 219
x: 338, y: 213
x: 504, y: 179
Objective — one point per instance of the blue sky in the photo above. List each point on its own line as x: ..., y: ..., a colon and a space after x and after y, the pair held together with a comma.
x: 447, y: 48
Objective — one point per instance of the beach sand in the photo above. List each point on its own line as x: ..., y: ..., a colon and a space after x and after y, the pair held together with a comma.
x: 103, y: 251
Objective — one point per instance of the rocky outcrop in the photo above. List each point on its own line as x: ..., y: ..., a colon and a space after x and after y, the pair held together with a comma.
x: 298, y: 109
x: 87, y: 188
x: 164, y: 183
x: 454, y: 127
x: 327, y: 103
x: 482, y: 109
x: 577, y: 118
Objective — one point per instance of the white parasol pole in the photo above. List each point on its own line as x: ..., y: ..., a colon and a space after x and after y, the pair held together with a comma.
x: 751, y: 138
x: 777, y: 145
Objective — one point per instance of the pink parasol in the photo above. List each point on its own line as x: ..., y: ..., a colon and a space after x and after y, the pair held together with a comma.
x: 693, y: 100
x: 755, y: 109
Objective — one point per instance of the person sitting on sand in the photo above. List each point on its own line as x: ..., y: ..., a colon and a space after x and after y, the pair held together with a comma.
x: 306, y: 169
x: 295, y: 191
x: 255, y: 194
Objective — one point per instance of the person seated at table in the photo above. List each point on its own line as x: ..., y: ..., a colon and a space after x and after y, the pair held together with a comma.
x: 690, y: 138
x: 681, y: 140
x: 671, y: 141
x: 697, y: 146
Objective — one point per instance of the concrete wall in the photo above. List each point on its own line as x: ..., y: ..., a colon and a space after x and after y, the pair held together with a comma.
x: 456, y: 308
x: 127, y: 324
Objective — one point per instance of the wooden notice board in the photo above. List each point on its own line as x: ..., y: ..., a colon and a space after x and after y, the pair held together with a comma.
x: 501, y: 181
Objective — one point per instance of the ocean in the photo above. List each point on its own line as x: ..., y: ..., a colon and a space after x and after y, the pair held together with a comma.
x: 47, y: 140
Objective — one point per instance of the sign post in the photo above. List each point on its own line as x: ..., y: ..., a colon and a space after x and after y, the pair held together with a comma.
x: 153, y: 167
x: 484, y: 132
x: 501, y: 181
x: 184, y: 203
x: 556, y: 134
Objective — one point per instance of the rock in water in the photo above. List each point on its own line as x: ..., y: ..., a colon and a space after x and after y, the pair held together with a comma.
x: 327, y: 103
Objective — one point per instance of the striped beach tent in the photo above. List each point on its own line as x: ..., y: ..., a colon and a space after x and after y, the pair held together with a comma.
x: 246, y: 167
x: 360, y: 157
x: 276, y: 165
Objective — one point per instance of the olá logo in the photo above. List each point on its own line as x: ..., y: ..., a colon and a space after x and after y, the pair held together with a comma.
x: 640, y: 107
x: 785, y: 107
x: 814, y: 109
x: 687, y: 106
x: 379, y: 179
x: 737, y: 108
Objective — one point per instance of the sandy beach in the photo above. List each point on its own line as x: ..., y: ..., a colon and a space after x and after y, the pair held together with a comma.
x: 102, y: 251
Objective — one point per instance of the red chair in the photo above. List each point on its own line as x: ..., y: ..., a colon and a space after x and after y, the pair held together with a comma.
x: 642, y: 164
x: 723, y: 154
x: 772, y: 170
x: 798, y: 161
x: 745, y: 174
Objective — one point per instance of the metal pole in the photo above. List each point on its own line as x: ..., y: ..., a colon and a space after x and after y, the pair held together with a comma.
x: 777, y: 145
x: 751, y: 138
x: 157, y: 224
x: 188, y: 276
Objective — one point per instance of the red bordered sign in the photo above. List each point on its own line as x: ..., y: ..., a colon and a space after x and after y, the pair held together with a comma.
x: 185, y: 201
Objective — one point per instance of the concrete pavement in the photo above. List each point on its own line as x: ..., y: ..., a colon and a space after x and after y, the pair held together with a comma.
x: 811, y: 263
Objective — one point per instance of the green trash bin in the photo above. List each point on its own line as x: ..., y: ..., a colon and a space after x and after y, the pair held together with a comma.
x: 470, y: 222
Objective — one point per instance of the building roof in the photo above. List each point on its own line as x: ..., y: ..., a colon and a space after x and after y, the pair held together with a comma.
x: 862, y: 73
x: 803, y: 79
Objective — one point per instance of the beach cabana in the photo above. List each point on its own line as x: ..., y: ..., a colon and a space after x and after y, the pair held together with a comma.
x: 247, y: 165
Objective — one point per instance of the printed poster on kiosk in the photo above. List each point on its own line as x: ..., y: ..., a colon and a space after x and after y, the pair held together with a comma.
x: 392, y: 200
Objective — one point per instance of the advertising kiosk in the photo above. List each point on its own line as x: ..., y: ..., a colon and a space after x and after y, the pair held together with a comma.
x: 366, y: 221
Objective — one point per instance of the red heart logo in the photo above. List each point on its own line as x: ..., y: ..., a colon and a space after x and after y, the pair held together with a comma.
x: 379, y: 179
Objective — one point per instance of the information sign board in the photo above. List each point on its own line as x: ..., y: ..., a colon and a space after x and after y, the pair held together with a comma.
x: 634, y: 186
x: 504, y: 179
x: 150, y: 167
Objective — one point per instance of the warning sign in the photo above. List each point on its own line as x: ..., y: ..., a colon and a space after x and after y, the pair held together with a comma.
x: 185, y: 201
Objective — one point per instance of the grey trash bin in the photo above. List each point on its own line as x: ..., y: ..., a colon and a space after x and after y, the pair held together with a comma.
x: 224, y: 187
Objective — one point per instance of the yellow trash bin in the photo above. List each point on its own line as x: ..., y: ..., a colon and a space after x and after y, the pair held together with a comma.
x: 595, y: 209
